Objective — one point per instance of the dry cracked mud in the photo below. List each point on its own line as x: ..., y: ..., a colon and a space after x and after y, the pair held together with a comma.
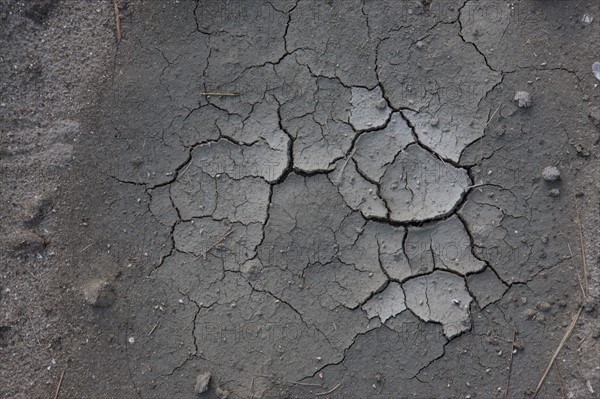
x: 330, y: 199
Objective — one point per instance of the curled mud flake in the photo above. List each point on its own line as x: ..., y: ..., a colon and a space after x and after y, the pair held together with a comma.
x: 358, y: 193
x: 442, y: 245
x: 369, y: 109
x: 374, y: 151
x: 419, y: 186
x: 386, y: 304
x: 440, y: 297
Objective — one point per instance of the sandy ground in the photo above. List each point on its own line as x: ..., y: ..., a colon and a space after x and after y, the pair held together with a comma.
x: 361, y: 208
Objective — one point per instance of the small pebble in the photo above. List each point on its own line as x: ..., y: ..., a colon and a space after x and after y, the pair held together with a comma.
x: 382, y: 104
x: 222, y: 393
x: 596, y: 69
x: 99, y: 293
x: 551, y: 173
x: 543, y: 306
x: 523, y: 99
x: 202, y: 382
x: 555, y: 192
x: 518, y: 345
x: 540, y: 317
x: 581, y: 151
x: 529, y: 314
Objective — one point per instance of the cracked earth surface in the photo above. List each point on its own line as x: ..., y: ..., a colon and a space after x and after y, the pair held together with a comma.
x: 365, y: 217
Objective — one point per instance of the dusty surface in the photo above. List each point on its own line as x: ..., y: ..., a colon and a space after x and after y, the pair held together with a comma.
x: 371, y: 215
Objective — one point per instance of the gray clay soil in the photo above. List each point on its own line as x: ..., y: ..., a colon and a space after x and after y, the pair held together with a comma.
x: 273, y: 199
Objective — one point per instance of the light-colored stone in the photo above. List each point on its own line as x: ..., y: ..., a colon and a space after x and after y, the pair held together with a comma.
x: 202, y: 382
x: 551, y: 173
x: 523, y: 99
x: 99, y: 293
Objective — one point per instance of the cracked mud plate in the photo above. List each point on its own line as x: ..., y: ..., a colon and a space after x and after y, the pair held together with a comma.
x: 339, y: 198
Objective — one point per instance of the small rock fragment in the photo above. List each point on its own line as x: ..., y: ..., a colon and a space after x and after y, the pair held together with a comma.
x: 202, y: 382
x: 590, y: 306
x: 589, y: 386
x: 523, y: 99
x: 529, y: 314
x: 596, y: 69
x: 582, y: 151
x: 594, y: 114
x: 420, y: 45
x: 555, y: 192
x: 382, y: 104
x: 551, y: 173
x: 540, y: 317
x: 99, y: 293
x: 137, y: 160
x: 543, y: 306
x: 518, y: 345
x: 222, y: 393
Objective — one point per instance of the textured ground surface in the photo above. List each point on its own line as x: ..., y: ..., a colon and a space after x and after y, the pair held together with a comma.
x: 366, y: 217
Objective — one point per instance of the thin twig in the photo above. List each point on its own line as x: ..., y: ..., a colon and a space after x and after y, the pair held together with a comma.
x: 85, y: 248
x: 465, y: 189
x: 307, y: 384
x: 344, y: 165
x: 491, y: 117
x: 562, y: 342
x: 580, y: 285
x: 153, y: 328
x: 185, y: 170
x: 501, y: 338
x: 570, y: 251
x: 62, y: 375
x: 219, y: 94
x: 117, y: 21
x: 485, y: 127
x: 510, y: 362
x: 330, y: 391
x: 219, y: 241
x: 562, y: 390
x: 583, y: 259
x: 476, y: 185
